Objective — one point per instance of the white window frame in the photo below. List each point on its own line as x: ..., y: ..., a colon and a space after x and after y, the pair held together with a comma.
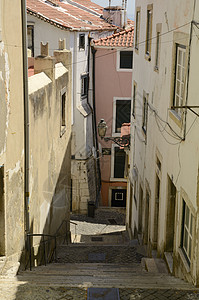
x: 83, y: 76
x: 179, y: 80
x: 82, y: 48
x: 114, y: 114
x: 137, y: 28
x: 32, y: 25
x: 188, y: 228
x: 113, y: 165
x: 149, y: 22
x: 118, y: 60
x: 145, y: 113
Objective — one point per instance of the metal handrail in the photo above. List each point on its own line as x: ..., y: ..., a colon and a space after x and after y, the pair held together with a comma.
x: 50, y: 237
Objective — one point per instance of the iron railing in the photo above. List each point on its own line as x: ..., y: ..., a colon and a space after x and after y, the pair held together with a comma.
x: 49, y: 252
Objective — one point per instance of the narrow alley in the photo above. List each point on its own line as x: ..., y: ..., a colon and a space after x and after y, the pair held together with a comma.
x: 100, y: 263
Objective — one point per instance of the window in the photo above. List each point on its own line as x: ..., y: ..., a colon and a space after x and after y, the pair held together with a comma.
x: 187, y: 229
x: 134, y: 98
x: 82, y: 41
x: 119, y: 162
x: 179, y: 78
x: 149, y: 30
x: 30, y: 33
x: 126, y: 59
x: 63, y: 111
x: 157, y: 52
x: 145, y: 113
x: 84, y: 86
x: 63, y: 123
x: 137, y: 29
x: 123, y: 112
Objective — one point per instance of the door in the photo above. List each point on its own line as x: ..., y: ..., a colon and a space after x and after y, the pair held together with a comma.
x: 170, y: 225
x: 118, y: 198
x: 156, y: 213
x: 146, y: 223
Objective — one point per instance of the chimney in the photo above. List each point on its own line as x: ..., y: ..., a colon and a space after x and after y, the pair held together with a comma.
x: 63, y: 55
x: 113, y: 15
x: 45, y: 63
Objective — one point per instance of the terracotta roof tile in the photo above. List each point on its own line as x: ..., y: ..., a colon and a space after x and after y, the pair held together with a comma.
x: 121, y: 39
x: 81, y: 15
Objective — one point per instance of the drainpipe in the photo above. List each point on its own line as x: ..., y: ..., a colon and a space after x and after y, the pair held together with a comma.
x: 26, y: 116
x: 95, y: 126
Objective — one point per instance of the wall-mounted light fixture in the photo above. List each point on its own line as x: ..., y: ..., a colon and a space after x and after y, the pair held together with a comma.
x: 122, y: 141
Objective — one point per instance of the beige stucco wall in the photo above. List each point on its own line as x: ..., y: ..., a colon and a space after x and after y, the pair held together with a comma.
x: 50, y: 145
x: 11, y: 131
x: 179, y: 159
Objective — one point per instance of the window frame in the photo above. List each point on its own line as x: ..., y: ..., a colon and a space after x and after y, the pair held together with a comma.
x: 114, y: 133
x: 31, y: 26
x: 181, y: 96
x: 123, y: 179
x: 82, y: 45
x: 137, y: 28
x: 62, y: 114
x: 157, y: 47
x: 84, y: 91
x: 145, y: 113
x: 134, y: 99
x: 187, y: 229
x: 118, y: 68
x: 149, y: 26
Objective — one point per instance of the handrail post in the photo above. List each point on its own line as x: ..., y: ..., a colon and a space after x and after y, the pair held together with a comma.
x: 55, y: 248
x: 44, y: 249
x: 30, y: 256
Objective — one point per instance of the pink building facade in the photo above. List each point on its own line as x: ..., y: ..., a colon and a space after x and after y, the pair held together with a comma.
x: 113, y: 78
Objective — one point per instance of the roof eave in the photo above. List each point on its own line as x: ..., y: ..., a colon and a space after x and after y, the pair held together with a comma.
x: 63, y: 27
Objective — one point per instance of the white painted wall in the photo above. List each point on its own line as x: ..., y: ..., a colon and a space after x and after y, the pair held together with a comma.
x: 179, y: 158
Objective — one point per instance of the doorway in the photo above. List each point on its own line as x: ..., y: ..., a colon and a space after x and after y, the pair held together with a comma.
x: 156, y: 212
x: 118, y: 198
x: 170, y: 223
x: 140, y: 210
x: 146, y: 223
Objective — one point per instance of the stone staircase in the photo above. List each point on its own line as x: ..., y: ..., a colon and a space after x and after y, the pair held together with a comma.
x: 104, y: 266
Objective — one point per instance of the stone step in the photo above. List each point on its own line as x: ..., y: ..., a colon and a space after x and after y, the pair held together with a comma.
x: 100, y: 275
x: 2, y: 262
x: 10, y: 269
x: 98, y: 253
x: 155, y: 265
x: 169, y: 261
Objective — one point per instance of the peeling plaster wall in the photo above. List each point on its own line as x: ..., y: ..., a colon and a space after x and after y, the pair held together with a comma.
x: 50, y: 153
x: 11, y: 132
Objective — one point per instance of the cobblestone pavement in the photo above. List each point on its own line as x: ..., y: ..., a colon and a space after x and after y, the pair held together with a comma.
x: 31, y: 291
x: 157, y: 294
x: 103, y: 216
x: 105, y: 254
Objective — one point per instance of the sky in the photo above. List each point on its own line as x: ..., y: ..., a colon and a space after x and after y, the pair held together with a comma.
x: 130, y: 5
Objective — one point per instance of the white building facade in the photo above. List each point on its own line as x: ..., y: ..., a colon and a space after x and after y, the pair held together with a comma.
x: 163, y: 188
x: 46, y: 25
